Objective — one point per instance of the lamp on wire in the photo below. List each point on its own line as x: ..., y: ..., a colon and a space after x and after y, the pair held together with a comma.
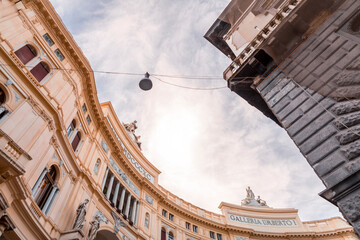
x: 146, y: 83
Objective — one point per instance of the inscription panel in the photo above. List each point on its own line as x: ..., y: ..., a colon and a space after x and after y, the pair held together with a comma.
x: 287, y: 222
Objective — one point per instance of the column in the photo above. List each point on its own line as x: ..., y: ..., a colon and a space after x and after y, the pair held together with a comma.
x: 52, y: 201
x: 137, y: 213
x: 48, y: 200
x: 39, y: 181
x: 121, y: 203
x: 110, y: 187
x: 105, y: 178
x: 128, y: 205
x: 133, y: 211
x: 116, y: 193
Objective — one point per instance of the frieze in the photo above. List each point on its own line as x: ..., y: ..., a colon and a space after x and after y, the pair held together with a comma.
x: 123, y: 176
x: 128, y: 155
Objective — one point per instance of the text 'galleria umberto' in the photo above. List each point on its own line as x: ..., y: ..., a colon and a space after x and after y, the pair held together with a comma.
x: 70, y: 169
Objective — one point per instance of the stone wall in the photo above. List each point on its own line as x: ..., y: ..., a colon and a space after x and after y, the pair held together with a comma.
x: 315, y: 94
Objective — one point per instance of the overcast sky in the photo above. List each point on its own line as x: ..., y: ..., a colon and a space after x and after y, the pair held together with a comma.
x: 209, y: 145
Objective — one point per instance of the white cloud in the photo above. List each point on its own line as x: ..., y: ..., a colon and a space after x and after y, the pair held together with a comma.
x: 209, y: 145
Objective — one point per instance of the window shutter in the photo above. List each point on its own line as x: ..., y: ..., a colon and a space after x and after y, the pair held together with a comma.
x: 25, y: 54
x: 40, y: 71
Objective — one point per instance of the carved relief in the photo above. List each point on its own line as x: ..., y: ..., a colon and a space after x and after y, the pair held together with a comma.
x: 41, y: 113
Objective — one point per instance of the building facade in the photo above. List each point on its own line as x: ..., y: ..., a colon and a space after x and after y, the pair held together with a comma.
x: 301, y: 69
x: 69, y: 169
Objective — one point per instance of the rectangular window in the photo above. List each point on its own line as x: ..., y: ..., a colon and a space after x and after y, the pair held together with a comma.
x: 59, y: 55
x: 212, y: 235
x: 84, y: 108
x: 88, y: 119
x: 219, y: 237
x: 48, y: 39
x: 187, y: 225
x: 195, y: 229
x: 164, y: 213
x: 171, y: 217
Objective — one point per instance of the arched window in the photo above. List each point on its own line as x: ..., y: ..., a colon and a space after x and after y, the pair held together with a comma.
x: 40, y: 71
x: 26, y: 53
x: 45, y: 190
x: 3, y: 110
x: 171, y: 236
x: 147, y: 220
x: 163, y: 234
x: 76, y: 140
x: 96, y: 167
x: 71, y: 128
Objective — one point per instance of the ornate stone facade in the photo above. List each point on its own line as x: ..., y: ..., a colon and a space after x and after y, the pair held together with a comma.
x: 70, y: 170
x: 302, y: 71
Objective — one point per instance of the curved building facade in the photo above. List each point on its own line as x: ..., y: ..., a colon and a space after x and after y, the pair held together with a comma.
x: 69, y: 169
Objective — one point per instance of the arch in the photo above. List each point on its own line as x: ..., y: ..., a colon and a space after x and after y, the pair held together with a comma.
x: 76, y: 140
x: 147, y: 220
x: 163, y: 233
x: 45, y: 189
x: 171, y: 236
x: 106, y: 235
x: 40, y: 71
x: 3, y: 98
x: 26, y: 53
x: 71, y: 128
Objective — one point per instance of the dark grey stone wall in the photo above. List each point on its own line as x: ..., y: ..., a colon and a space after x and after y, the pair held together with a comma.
x: 315, y: 94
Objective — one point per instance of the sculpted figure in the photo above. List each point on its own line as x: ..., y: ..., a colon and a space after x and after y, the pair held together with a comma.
x: 94, y: 227
x: 250, y: 194
x: 137, y: 141
x: 131, y: 127
x: 80, y: 215
x: 260, y: 201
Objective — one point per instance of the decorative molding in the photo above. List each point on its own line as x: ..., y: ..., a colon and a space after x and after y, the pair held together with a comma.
x: 122, y: 174
x: 149, y: 199
x: 41, y: 112
x: 128, y: 155
x: 118, y: 223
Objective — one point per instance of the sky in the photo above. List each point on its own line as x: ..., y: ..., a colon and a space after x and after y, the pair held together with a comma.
x: 209, y: 144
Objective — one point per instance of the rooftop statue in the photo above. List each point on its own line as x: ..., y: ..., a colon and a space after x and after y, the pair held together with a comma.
x: 131, y: 127
x: 251, y: 201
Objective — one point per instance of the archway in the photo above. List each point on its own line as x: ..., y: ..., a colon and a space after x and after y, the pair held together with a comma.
x: 106, y: 235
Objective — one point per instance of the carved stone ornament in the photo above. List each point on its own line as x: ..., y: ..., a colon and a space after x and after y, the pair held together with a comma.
x: 131, y: 127
x: 149, y: 199
x: 118, y: 223
x: 80, y: 215
x: 94, y: 227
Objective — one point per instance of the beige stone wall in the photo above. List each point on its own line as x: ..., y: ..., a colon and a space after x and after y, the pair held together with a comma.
x: 34, y: 137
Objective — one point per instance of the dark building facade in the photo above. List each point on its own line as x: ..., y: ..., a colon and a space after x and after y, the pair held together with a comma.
x: 303, y: 71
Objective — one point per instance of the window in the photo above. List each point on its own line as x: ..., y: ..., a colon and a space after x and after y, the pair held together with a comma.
x: 88, y: 120
x: 75, y: 142
x: 48, y: 39
x: 212, y: 235
x: 195, y: 229
x: 71, y: 128
x: 163, y: 234
x: 3, y: 110
x: 96, y: 167
x: 187, y: 225
x: 84, y: 108
x: 26, y: 53
x: 147, y: 220
x: 59, y: 55
x: 171, y: 217
x: 40, y: 71
x: 164, y: 213
x: 45, y: 190
x: 171, y: 236
x: 219, y: 237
